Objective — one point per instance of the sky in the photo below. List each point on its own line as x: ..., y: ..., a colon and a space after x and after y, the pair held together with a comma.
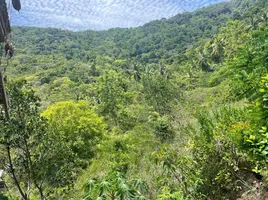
x: 79, y: 15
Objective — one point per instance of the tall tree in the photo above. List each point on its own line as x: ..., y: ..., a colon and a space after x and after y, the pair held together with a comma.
x: 159, y: 90
x: 113, y: 94
x: 22, y: 136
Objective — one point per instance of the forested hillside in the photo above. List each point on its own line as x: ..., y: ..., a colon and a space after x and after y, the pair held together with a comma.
x: 147, y: 43
x: 172, y: 110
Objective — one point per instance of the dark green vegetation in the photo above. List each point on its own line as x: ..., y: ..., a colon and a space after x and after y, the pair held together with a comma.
x: 175, y: 109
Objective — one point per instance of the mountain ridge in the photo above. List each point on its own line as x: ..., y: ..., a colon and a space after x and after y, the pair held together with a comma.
x: 175, y: 33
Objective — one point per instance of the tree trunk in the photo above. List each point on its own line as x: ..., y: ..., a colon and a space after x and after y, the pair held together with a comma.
x: 24, y: 196
x: 42, y: 196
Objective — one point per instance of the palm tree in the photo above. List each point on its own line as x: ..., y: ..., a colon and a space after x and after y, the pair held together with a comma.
x: 254, y: 21
x: 136, y: 72
x: 264, y: 17
x: 202, y: 62
x: 217, y: 48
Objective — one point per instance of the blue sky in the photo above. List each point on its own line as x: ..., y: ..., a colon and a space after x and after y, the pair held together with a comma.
x: 99, y: 14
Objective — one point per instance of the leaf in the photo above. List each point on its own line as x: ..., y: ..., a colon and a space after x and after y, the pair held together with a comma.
x: 104, y: 187
x: 264, y: 152
x: 249, y: 141
x: 252, y: 137
x: 90, y: 185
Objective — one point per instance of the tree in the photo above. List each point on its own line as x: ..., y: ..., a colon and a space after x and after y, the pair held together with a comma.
x: 252, y: 136
x: 75, y: 130
x: 22, y: 136
x: 159, y: 91
x: 202, y: 62
x: 249, y: 65
x: 217, y: 49
x: 112, y: 94
x: 264, y: 17
x: 77, y: 126
x: 235, y: 36
x: 46, y: 154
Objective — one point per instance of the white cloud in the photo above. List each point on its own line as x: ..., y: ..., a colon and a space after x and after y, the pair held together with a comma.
x: 99, y: 14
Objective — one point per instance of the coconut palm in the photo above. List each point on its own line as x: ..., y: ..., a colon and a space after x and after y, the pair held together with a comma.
x: 202, y: 62
x: 264, y: 17
x: 217, y: 48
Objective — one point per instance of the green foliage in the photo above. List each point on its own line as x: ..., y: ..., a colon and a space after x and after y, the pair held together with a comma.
x: 162, y: 127
x: 112, y: 93
x: 177, y: 179
x: 252, y: 135
x: 149, y: 43
x: 22, y: 135
x: 250, y: 65
x: 40, y: 152
x: 115, y: 186
x: 220, y: 165
x: 2, y: 197
x: 166, y: 194
x: 77, y: 127
x: 160, y: 89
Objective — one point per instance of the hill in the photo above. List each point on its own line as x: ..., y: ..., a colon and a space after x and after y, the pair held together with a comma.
x: 175, y: 109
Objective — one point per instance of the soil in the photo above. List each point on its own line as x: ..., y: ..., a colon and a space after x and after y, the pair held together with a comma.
x: 257, y: 192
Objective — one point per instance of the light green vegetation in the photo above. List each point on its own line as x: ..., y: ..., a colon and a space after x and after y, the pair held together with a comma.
x: 175, y: 109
